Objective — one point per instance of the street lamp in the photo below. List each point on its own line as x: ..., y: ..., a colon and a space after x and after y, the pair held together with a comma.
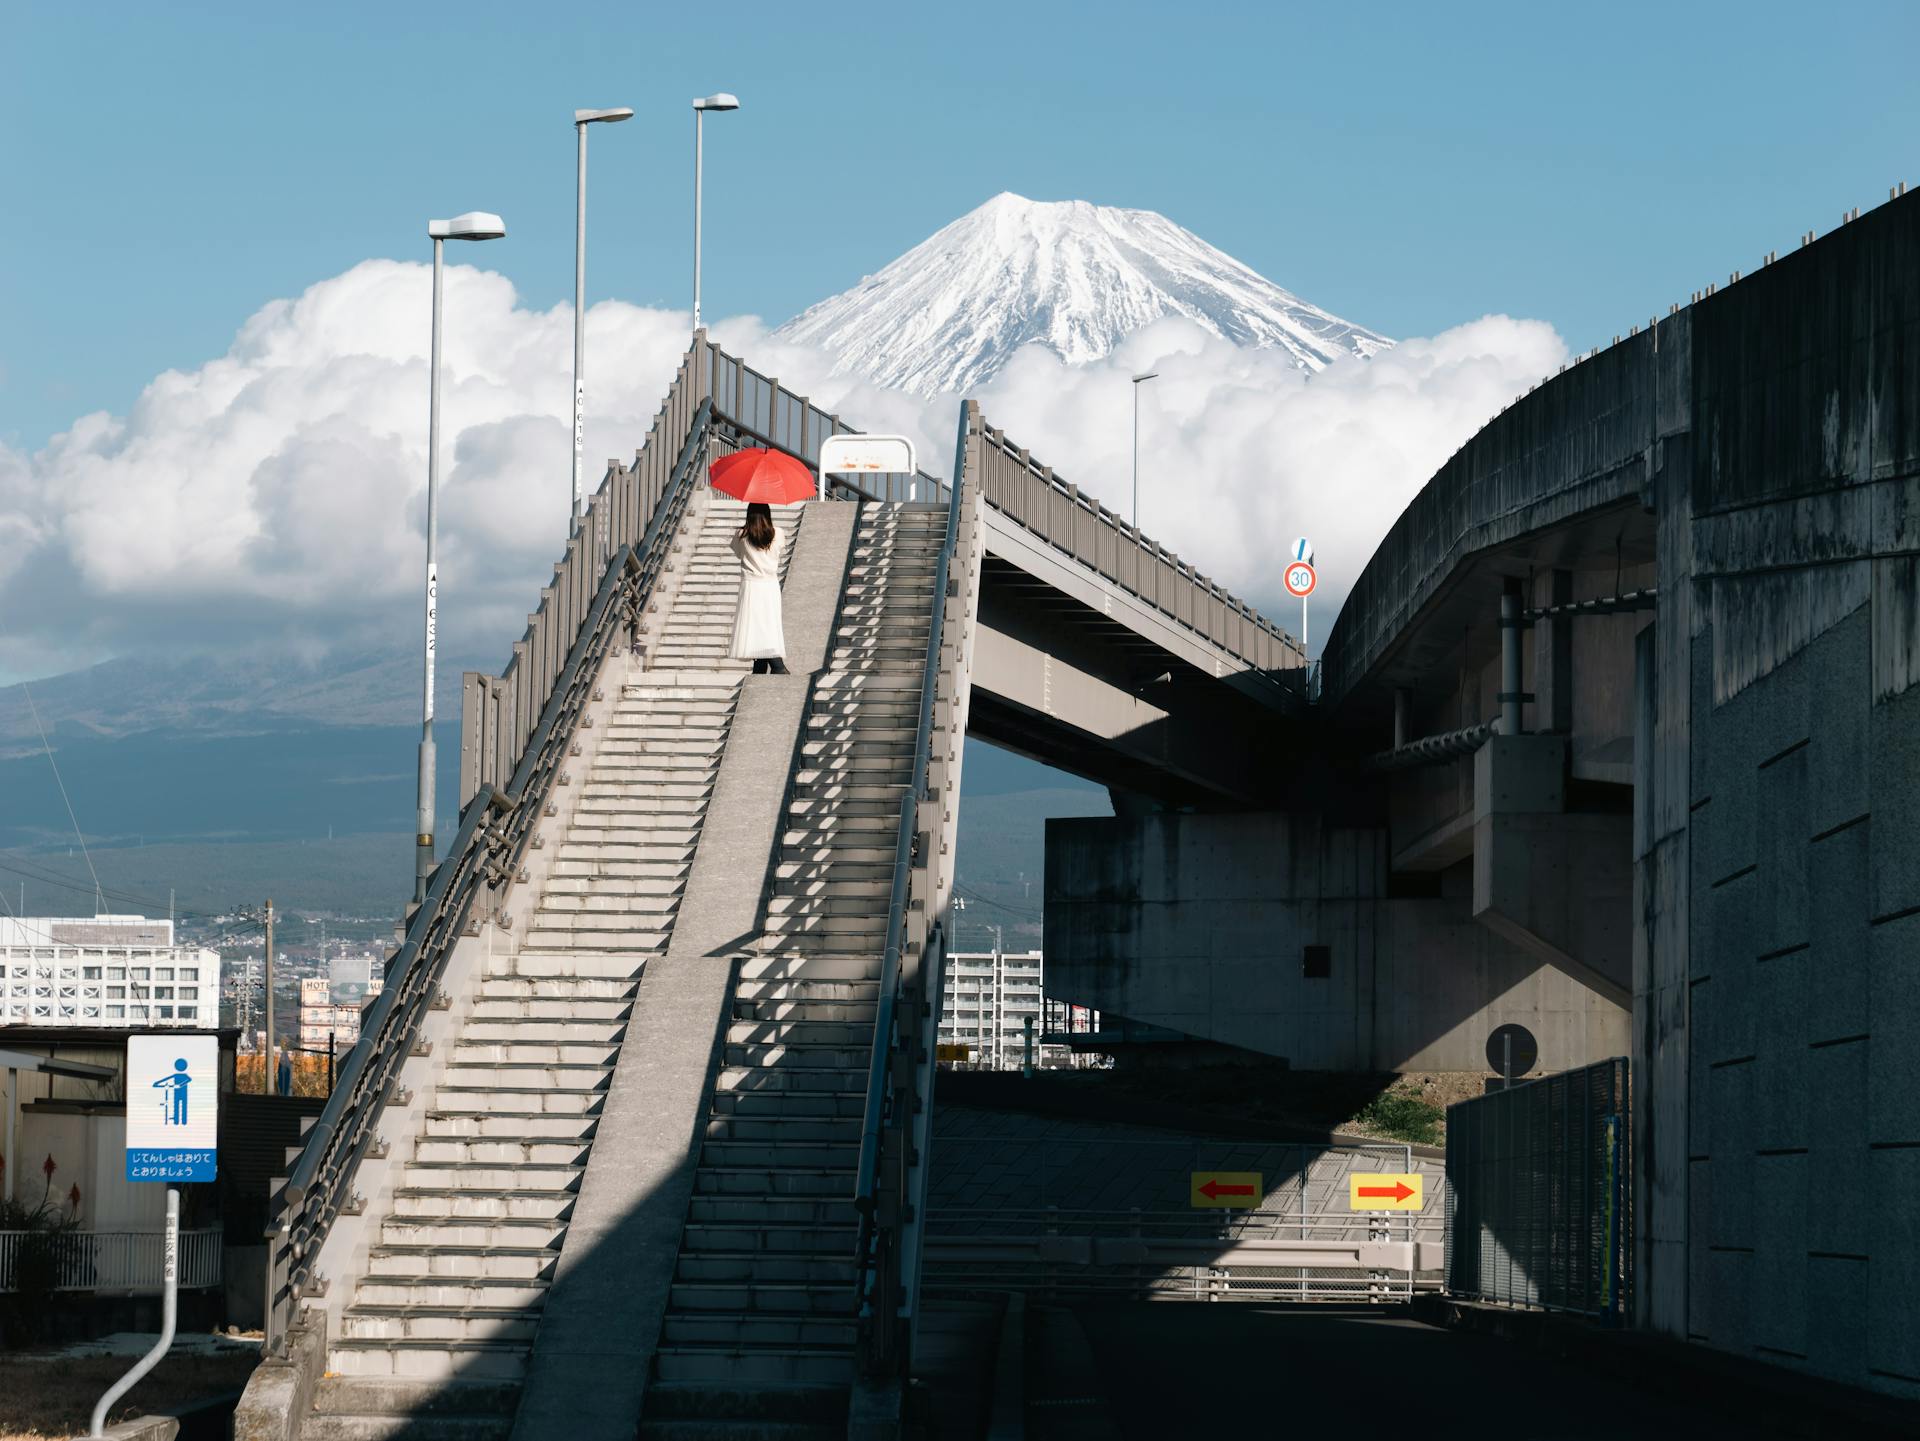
x: 474, y: 225
x: 1144, y: 375
x: 722, y: 101
x: 581, y: 120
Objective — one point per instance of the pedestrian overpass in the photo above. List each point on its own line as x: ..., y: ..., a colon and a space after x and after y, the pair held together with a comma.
x: 639, y: 1131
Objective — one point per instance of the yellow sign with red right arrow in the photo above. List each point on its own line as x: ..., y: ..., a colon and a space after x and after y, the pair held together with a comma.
x: 1394, y: 1191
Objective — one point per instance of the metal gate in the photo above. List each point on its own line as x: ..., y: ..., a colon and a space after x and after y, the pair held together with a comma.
x: 1537, y: 1194
x: 1081, y: 1213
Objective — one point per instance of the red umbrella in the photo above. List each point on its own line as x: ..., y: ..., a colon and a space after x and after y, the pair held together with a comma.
x: 770, y: 476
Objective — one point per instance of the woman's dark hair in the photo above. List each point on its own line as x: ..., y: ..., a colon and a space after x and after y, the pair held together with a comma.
x: 759, y: 525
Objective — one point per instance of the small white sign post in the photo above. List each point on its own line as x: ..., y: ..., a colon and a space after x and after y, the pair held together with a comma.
x: 173, y: 1125
x: 1300, y: 580
x: 866, y: 455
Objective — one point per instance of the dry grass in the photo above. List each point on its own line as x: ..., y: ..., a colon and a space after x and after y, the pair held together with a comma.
x: 43, y: 1400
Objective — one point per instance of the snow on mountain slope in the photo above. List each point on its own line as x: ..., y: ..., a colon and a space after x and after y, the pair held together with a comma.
x: 1075, y: 277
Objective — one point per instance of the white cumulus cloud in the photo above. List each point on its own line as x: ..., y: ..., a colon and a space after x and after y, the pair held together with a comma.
x: 276, y: 495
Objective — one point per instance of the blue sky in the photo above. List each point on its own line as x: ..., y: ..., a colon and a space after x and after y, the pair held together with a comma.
x: 171, y: 168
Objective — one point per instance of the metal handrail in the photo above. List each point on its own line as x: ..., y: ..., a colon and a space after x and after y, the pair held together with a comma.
x: 876, y: 1263
x: 1278, y: 641
x: 485, y: 854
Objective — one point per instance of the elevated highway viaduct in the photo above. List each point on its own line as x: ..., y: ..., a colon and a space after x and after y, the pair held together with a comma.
x: 1618, y: 737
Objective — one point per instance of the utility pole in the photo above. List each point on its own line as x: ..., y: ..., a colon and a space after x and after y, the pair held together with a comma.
x: 266, y: 1075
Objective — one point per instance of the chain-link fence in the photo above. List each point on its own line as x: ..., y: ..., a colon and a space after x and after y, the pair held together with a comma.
x: 1537, y: 1193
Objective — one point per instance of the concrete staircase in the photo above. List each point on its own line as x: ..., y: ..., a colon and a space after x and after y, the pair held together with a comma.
x: 437, y: 1334
x: 759, y: 1330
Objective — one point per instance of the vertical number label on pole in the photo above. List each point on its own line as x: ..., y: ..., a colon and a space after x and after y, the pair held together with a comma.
x: 433, y: 626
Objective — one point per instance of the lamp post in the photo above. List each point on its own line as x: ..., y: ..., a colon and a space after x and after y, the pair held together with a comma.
x: 721, y: 101
x: 581, y: 120
x: 1144, y: 375
x: 474, y: 225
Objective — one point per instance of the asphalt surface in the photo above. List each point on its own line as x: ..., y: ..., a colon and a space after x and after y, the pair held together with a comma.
x: 1147, y: 1372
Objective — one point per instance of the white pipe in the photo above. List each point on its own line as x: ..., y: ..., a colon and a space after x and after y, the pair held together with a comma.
x: 169, y: 1310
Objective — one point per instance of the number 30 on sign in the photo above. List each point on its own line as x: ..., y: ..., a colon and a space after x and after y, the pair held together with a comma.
x: 1300, y: 579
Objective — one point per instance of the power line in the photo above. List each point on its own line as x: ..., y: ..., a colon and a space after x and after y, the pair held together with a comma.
x: 27, y: 690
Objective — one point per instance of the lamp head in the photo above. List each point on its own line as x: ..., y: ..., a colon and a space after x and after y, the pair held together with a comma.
x: 721, y: 101
x: 1146, y: 375
x: 474, y: 225
x: 610, y: 117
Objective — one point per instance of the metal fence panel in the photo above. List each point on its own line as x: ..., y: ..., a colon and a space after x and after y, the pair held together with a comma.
x: 1537, y: 1193
x: 125, y: 1261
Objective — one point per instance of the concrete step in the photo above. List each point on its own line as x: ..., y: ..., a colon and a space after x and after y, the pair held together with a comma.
x: 529, y: 990
x: 800, y: 1032
x: 856, y: 1013
x: 493, y: 1178
x: 366, y: 1408
x: 811, y: 900
x: 827, y: 1103
x: 831, y: 1242
x: 513, y: 1125
x: 424, y: 1205
x: 423, y: 1323
x: 768, y: 1181
x: 766, y: 1366
x: 694, y: 1411
x: 556, y: 964
x: 809, y: 968
x: 551, y: 1076
x: 612, y: 937
x: 447, y: 1234
x: 747, y: 1330
x: 562, y: 1029
x: 497, y: 1151
x: 768, y: 1267
x: 797, y: 1056
x: 784, y: 1154
x: 450, y: 1293
x: 761, y: 1298
x: 508, y: 1100
x: 440, y: 1361
x: 793, y: 1079
x: 480, y: 1051
x: 834, y: 1130
x: 472, y: 1263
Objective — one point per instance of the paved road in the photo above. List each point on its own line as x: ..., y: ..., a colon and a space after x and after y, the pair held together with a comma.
x: 1248, y: 1373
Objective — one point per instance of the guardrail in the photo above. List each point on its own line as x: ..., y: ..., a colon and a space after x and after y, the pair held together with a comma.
x: 1537, y: 1194
x: 900, y: 1069
x: 1030, y: 494
x: 496, y: 828
x: 119, y: 1261
x: 760, y: 411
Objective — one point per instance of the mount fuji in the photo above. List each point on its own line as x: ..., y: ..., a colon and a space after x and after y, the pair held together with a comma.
x: 1074, y: 277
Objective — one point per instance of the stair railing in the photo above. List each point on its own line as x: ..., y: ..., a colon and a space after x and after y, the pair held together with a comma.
x: 899, y: 1074
x: 496, y: 828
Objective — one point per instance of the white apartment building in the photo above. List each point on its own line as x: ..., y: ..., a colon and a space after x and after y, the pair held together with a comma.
x: 107, y: 971
x: 989, y: 997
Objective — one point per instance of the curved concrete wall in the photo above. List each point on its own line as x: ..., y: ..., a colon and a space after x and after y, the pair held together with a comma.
x: 1770, y: 436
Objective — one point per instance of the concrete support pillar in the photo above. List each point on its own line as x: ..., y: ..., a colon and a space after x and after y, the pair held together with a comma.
x: 1510, y: 696
x: 1553, y: 655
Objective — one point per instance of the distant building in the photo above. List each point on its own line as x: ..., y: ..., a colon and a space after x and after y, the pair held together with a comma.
x: 108, y: 971
x: 359, y: 970
x: 989, y: 997
x: 330, y: 1007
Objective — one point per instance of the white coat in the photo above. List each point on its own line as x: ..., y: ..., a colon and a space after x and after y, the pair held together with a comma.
x: 757, y: 633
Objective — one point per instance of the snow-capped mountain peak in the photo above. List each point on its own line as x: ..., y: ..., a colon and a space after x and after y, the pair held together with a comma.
x: 1075, y: 277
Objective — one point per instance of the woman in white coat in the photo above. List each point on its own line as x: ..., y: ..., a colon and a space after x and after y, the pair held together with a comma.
x: 757, y: 632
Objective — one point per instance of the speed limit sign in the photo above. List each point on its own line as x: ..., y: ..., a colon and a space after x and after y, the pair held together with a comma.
x: 1300, y: 579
